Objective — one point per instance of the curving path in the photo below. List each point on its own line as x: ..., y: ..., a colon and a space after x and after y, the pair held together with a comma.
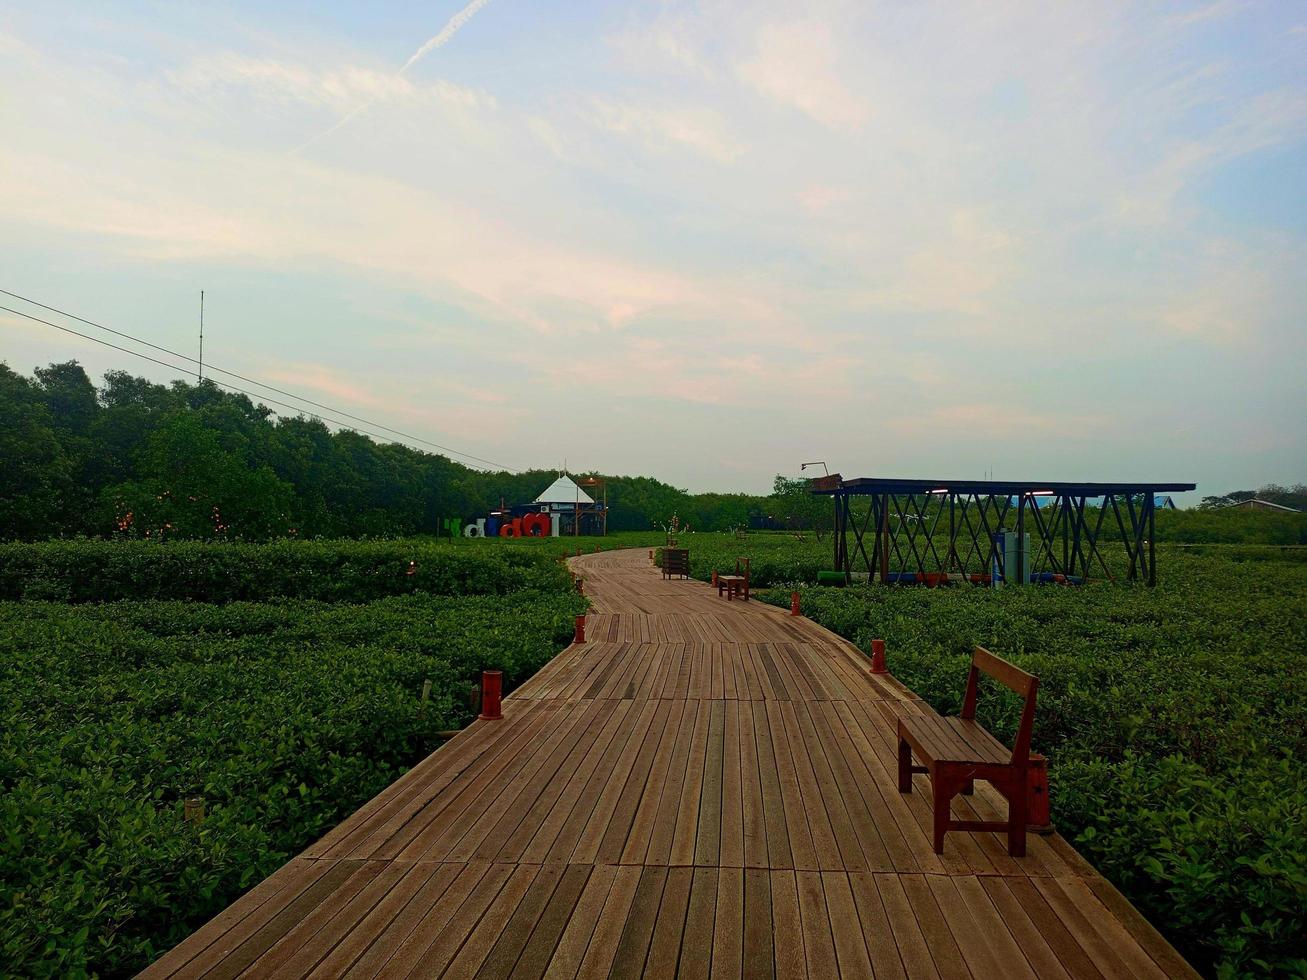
x: 705, y: 789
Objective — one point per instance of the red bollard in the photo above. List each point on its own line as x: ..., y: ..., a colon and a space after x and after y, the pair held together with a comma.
x: 878, y: 657
x: 492, y: 686
x: 579, y: 636
x: 794, y: 603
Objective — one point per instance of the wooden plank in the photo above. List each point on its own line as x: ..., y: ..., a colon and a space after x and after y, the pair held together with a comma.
x: 608, y: 788
x: 538, y: 951
x: 613, y: 842
x: 909, y: 937
x: 606, y: 938
x: 231, y: 958
x: 580, y: 925
x: 707, y: 850
x: 521, y: 898
x: 636, y: 936
x: 758, y: 961
x: 663, y: 829
x: 665, y: 947
x: 778, y: 841
x: 878, y: 928
x: 700, y: 922
x: 728, y: 926
x: 787, y: 927
x: 572, y: 808
x: 318, y: 933
x: 818, y: 946
x: 438, y: 937
x: 646, y: 814
x: 817, y: 848
x: 393, y: 927
x: 731, y: 853
x: 294, y: 874
x: 846, y: 926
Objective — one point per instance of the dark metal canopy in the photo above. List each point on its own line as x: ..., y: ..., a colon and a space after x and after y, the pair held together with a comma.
x: 936, y: 531
x: 872, y: 485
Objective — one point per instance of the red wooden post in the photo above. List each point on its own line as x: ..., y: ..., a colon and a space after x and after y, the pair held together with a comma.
x: 878, y: 657
x: 596, y: 549
x: 714, y: 578
x: 492, y: 687
x: 794, y: 603
x: 579, y: 636
x: 651, y: 554
x: 1038, y: 817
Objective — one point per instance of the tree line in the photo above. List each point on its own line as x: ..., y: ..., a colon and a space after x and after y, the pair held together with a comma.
x: 138, y: 459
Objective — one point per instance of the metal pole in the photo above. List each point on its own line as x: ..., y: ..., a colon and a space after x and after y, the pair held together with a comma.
x: 952, y: 536
x: 1021, y: 539
x: 201, y: 372
x: 884, y: 530
x: 1152, y: 540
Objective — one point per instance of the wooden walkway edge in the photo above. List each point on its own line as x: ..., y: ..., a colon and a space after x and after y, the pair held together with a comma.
x: 705, y: 788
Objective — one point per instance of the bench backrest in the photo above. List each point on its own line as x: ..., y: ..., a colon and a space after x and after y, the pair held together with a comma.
x: 742, y: 567
x: 1023, y: 684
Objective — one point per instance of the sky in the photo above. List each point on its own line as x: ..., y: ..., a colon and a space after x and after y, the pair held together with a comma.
x: 705, y: 242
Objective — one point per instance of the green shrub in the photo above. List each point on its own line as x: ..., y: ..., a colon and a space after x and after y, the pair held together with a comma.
x: 351, y: 571
x: 285, y: 716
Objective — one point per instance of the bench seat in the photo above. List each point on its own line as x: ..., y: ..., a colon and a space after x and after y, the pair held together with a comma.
x: 955, y: 740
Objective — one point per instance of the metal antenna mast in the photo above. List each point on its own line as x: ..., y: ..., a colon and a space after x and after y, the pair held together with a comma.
x: 201, y: 374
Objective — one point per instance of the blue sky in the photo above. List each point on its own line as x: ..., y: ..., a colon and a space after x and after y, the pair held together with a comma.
x: 702, y: 241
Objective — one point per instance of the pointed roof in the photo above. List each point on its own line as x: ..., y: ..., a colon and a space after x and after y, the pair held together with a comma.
x: 564, y: 491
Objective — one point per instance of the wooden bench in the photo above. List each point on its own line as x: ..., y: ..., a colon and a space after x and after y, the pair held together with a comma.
x: 737, y: 584
x: 676, y: 561
x: 958, y: 751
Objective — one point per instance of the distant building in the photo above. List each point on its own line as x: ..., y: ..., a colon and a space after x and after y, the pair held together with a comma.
x: 1161, y: 502
x: 571, y: 509
x: 1257, y: 503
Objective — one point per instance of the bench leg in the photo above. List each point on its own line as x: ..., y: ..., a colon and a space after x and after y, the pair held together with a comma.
x: 968, y: 787
x: 942, y: 789
x: 905, y: 766
x: 1016, y: 819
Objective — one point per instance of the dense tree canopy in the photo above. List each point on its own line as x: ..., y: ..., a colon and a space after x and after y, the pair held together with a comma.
x: 140, y: 459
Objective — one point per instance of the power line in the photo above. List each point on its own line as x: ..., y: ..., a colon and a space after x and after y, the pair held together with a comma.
x: 233, y: 374
x: 221, y: 384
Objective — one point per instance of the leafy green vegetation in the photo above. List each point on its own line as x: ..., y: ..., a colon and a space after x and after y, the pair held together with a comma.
x: 1174, y: 719
x: 141, y: 460
x: 284, y: 715
x: 352, y: 571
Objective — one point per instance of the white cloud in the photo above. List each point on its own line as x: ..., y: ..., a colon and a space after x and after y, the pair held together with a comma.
x: 240, y: 79
x: 795, y: 65
x: 697, y: 129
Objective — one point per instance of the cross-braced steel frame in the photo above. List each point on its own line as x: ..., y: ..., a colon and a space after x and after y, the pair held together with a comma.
x: 937, y: 530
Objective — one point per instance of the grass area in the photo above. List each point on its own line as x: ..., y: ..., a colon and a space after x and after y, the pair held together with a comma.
x: 1174, y: 719
x: 284, y: 714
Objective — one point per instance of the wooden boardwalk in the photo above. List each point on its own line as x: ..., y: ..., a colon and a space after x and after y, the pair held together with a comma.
x: 704, y: 789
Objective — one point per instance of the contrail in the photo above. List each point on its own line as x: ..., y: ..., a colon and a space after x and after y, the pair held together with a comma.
x: 446, y: 32
x: 437, y: 41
